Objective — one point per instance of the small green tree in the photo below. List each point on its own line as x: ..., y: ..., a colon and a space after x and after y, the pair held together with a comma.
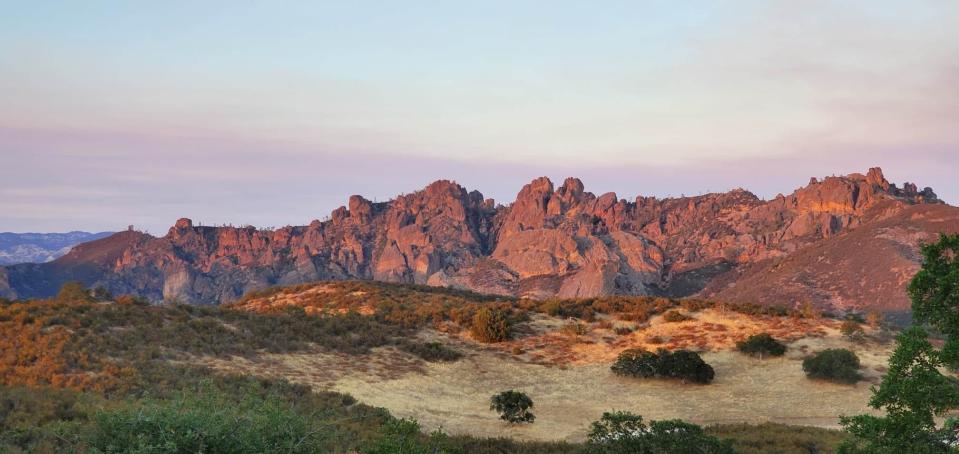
x: 833, y: 364
x: 491, y: 325
x: 624, y: 432
x: 512, y: 406
x: 761, y: 345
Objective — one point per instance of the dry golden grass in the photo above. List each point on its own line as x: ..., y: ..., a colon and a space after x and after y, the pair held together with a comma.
x: 569, y: 379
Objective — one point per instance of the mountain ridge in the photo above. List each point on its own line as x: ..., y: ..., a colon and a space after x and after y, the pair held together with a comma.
x: 551, y: 241
x: 35, y: 247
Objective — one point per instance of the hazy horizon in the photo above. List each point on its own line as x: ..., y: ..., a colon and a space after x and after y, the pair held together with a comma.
x: 269, y: 115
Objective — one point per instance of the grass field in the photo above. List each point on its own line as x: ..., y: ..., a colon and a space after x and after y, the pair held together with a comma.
x: 569, y: 379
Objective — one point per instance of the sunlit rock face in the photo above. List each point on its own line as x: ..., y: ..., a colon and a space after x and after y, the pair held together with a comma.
x: 551, y: 241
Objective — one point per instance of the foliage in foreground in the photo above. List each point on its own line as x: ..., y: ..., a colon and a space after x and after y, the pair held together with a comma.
x: 934, y: 291
x: 207, y: 423
x: 912, y: 393
x: 512, y: 406
x: 624, y: 432
x: 680, y: 364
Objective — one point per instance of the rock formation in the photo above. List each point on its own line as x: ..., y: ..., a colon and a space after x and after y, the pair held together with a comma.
x: 550, y: 241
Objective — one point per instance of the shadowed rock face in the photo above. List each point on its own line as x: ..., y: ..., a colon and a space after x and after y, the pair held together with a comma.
x: 549, y: 242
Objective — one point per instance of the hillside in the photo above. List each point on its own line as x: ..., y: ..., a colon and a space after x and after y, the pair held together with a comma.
x: 867, y: 267
x: 550, y: 241
x: 40, y: 247
x: 327, y: 351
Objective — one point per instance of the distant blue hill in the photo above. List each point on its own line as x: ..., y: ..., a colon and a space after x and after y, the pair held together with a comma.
x: 40, y: 247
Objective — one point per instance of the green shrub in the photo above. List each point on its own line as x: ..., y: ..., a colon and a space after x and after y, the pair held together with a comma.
x: 512, y: 406
x: 491, y: 325
x: 685, y: 365
x: 681, y: 364
x: 834, y: 364
x: 636, y: 362
x: 761, y: 345
x: 624, y: 432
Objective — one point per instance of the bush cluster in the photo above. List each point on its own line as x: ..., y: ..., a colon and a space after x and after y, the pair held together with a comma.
x: 833, y: 364
x: 680, y: 364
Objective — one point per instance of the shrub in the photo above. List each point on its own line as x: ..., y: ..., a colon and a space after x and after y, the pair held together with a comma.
x: 681, y: 364
x: 834, y: 364
x: 624, y: 432
x: 685, y: 365
x: 636, y: 362
x: 512, y: 406
x: 675, y: 317
x: 575, y: 329
x: 760, y: 345
x: 851, y: 329
x: 623, y: 330
x: 874, y: 319
x: 431, y: 351
x: 491, y: 325
x: 694, y: 305
x: 73, y: 292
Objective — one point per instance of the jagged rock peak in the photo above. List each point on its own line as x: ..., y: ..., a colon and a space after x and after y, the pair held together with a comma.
x: 181, y: 227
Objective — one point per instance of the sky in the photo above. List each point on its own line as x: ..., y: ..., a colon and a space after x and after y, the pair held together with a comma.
x: 274, y: 113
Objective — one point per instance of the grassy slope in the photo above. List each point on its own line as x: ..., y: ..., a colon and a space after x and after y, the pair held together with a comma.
x: 65, y: 359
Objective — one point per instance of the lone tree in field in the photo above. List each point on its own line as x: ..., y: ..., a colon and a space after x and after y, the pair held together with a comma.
x: 761, y: 345
x: 914, y: 391
x: 833, y: 364
x: 512, y: 406
x: 491, y: 325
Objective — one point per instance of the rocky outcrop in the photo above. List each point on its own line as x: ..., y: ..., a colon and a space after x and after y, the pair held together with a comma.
x: 550, y: 241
